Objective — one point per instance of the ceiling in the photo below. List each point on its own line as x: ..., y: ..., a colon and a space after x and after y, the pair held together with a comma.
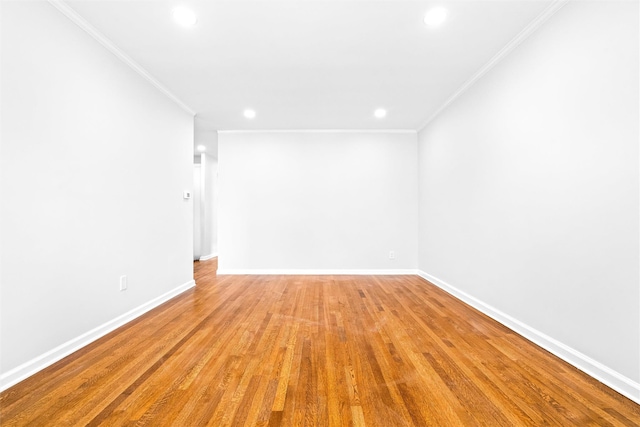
x: 310, y: 64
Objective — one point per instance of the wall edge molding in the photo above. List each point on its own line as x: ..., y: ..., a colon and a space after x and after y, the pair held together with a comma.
x: 35, y: 365
x: 75, y: 17
x: 609, y: 377
x: 530, y: 29
x: 206, y: 257
x: 318, y: 272
x: 401, y: 131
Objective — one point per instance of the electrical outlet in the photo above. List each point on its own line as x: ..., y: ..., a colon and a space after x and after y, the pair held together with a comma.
x: 392, y: 255
x: 123, y: 283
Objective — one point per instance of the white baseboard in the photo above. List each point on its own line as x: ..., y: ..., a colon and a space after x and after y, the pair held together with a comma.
x: 593, y: 368
x: 307, y: 272
x: 19, y: 373
x: 206, y: 257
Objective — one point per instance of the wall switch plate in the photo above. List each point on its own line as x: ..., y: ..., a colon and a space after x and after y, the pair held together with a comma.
x: 392, y: 255
x: 186, y: 195
x: 123, y: 283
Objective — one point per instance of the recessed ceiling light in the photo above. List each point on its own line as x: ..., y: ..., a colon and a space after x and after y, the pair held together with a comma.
x: 201, y: 148
x: 184, y: 16
x: 435, y: 16
x: 249, y: 114
x: 380, y: 113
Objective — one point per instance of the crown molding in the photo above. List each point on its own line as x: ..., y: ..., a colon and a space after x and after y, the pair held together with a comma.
x: 504, y: 52
x: 403, y: 131
x: 70, y: 13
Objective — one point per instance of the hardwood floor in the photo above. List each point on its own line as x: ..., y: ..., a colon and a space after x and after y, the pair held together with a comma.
x: 316, y: 351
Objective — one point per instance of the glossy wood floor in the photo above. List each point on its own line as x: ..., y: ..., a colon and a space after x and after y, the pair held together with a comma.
x: 315, y: 351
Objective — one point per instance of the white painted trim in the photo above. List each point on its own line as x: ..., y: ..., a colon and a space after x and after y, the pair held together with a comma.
x: 597, y: 370
x: 19, y: 373
x: 311, y: 272
x: 70, y: 13
x: 206, y: 257
x: 403, y: 131
x: 506, y: 50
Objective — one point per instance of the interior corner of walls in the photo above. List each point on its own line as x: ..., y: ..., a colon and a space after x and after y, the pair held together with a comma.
x: 35, y: 365
x: 611, y: 378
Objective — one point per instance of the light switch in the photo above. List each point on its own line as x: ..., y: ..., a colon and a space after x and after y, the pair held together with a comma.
x: 186, y: 195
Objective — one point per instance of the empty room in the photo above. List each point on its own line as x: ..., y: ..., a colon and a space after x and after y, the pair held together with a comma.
x: 320, y: 213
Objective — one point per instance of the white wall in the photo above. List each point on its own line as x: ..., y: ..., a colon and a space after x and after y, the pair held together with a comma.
x: 94, y: 163
x: 209, y: 206
x: 197, y: 214
x: 529, y: 186
x: 317, y: 201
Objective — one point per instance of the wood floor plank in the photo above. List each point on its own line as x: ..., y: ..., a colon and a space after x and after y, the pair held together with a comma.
x: 317, y: 351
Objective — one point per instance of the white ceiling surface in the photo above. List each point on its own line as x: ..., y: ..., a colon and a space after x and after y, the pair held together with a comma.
x: 308, y: 64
